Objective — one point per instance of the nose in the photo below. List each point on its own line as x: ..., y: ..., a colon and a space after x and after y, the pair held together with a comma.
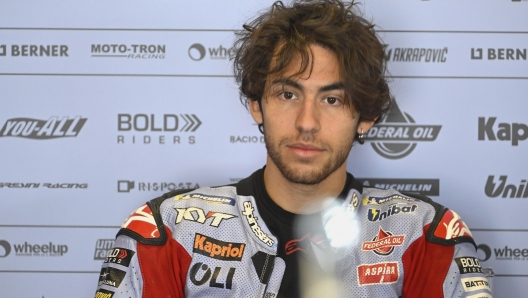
x: 308, y: 117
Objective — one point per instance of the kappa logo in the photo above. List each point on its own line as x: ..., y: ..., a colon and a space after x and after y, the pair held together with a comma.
x: 207, y: 198
x: 377, y: 215
x: 379, y: 273
x: 253, y: 223
x: 475, y: 283
x: 196, y: 214
x: 380, y: 201
x: 451, y: 226
x: 121, y: 256
x: 142, y: 222
x: 383, y: 244
x: 52, y: 128
x: 397, y: 135
x: 216, y: 249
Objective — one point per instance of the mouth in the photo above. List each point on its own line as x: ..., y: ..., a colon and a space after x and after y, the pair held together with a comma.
x: 305, y: 150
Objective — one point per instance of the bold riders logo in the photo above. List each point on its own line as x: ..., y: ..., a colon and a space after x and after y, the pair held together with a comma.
x: 397, y: 135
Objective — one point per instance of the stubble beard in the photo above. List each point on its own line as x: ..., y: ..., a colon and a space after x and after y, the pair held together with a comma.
x: 307, y: 177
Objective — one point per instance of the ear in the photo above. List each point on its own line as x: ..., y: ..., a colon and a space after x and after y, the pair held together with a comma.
x: 254, y: 109
x: 365, y: 125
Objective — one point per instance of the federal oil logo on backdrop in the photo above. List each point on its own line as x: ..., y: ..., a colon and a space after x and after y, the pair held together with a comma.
x: 398, y: 134
x: 39, y: 129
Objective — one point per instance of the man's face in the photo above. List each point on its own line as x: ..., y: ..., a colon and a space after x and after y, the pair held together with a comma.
x: 307, y: 128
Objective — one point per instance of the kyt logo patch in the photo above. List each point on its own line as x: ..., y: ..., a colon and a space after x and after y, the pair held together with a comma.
x: 379, y: 273
x: 383, y: 244
x: 196, y: 214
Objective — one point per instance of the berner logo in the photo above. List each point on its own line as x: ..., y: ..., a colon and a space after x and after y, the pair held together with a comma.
x: 43, y: 129
x: 498, y: 54
x: 128, y: 185
x: 429, y: 55
x: 493, y: 190
x: 514, y: 132
x: 132, y: 51
x: 165, y: 123
x: 397, y: 135
x: 35, y: 50
x: 197, y: 52
x: 426, y: 187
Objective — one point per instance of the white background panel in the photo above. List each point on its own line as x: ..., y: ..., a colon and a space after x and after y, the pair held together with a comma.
x: 178, y: 85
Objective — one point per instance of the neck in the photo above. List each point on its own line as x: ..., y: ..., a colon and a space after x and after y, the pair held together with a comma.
x: 301, y: 198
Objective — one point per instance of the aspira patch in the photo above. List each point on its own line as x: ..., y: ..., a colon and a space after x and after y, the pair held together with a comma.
x: 378, y: 273
x: 217, y: 249
x: 206, y: 198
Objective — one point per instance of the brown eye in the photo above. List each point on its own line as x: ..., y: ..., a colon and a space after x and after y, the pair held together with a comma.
x: 332, y: 100
x: 288, y: 95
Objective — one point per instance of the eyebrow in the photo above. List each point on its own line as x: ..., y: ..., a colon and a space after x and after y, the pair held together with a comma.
x: 292, y: 83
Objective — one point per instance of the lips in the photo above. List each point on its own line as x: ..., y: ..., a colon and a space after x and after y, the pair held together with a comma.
x: 305, y: 150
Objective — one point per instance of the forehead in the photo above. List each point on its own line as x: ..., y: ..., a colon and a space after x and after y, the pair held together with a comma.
x: 316, y: 63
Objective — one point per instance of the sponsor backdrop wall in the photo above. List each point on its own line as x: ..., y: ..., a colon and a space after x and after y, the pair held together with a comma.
x: 105, y: 105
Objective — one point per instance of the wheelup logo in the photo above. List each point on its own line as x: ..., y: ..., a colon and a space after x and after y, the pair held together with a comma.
x: 33, y: 250
x: 514, y: 132
x: 43, y: 129
x: 127, y: 186
x: 502, y: 254
x: 494, y: 190
x: 34, y: 50
x: 428, y: 55
x: 155, y: 124
x: 498, y: 54
x: 197, y: 52
x: 133, y: 51
x: 397, y: 135
x: 426, y: 187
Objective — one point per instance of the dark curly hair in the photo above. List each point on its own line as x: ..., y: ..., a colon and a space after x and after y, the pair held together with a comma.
x: 282, y: 32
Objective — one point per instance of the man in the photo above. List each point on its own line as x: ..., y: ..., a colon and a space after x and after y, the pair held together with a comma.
x: 312, y: 76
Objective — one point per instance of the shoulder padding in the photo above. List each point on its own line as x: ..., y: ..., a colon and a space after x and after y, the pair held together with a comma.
x: 145, y: 225
x: 447, y: 228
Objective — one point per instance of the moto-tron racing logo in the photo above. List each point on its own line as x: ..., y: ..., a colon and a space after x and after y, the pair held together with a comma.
x: 397, y: 135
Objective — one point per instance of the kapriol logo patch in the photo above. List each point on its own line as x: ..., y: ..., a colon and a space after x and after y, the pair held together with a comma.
x: 383, y: 243
x: 398, y: 134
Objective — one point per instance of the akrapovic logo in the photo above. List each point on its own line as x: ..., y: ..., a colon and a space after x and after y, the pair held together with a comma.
x: 216, y: 249
x: 428, y: 55
x: 398, y: 134
x: 513, y: 132
x: 494, y: 189
x: 498, y: 54
x: 34, y: 50
x: 52, y: 128
x: 130, y: 51
x: 197, y: 52
x: 426, y: 187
